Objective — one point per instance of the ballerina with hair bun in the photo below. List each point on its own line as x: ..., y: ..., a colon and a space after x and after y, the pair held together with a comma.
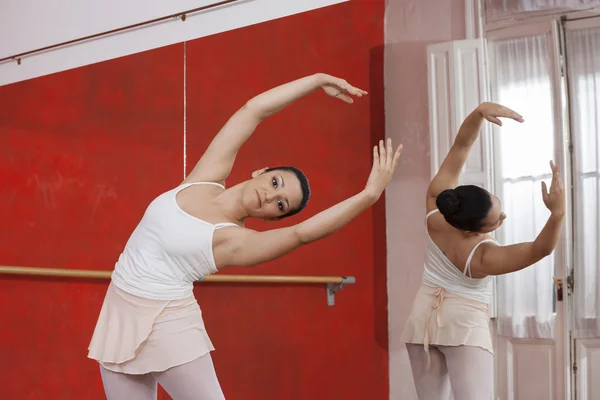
x: 447, y: 334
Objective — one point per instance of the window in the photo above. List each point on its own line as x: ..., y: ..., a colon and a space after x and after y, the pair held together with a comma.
x: 522, y: 81
x: 583, y: 52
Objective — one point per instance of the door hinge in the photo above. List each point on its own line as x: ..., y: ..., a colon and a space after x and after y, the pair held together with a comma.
x: 574, y: 368
x: 571, y: 280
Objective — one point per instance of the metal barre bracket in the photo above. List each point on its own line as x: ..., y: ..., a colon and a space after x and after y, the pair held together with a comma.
x: 334, y: 287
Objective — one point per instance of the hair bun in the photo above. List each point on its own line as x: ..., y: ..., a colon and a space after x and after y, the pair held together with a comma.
x: 448, y: 203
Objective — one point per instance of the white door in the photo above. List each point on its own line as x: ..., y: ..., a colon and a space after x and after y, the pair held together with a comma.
x: 532, y: 334
x: 582, y: 43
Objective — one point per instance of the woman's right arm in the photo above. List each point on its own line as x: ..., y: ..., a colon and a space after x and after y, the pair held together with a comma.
x: 217, y: 162
x: 447, y: 176
x: 499, y: 260
x: 245, y: 247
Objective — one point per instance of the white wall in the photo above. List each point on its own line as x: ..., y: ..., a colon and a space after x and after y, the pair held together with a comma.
x: 410, y: 25
x: 31, y: 24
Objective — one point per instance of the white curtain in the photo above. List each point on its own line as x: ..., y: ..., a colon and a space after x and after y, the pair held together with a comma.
x: 583, y: 52
x: 496, y: 9
x: 522, y: 81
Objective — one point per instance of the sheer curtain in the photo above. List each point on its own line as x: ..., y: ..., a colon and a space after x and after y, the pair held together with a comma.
x: 583, y: 52
x: 522, y: 81
x: 504, y: 8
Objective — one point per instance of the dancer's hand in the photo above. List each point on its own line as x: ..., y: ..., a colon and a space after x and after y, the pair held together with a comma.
x: 555, y: 198
x: 385, y: 161
x: 338, y: 88
x: 492, y: 112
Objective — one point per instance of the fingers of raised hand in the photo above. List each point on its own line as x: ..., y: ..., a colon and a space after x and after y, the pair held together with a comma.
x: 561, y: 185
x: 346, y: 87
x: 557, y: 183
x: 508, y: 113
x: 375, y: 157
x: 544, y: 192
x: 382, y: 154
x: 397, y: 155
x: 343, y: 85
x: 493, y: 120
x: 492, y: 111
x: 517, y: 117
x: 555, y: 172
x: 344, y: 97
x: 390, y: 153
x: 385, y: 159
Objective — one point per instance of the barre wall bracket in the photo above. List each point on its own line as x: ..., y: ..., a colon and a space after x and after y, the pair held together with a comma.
x: 334, y: 287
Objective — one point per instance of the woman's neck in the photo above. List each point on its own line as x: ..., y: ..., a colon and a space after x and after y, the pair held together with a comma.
x: 229, y: 202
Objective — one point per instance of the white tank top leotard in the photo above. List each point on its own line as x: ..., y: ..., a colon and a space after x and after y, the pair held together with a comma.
x: 440, y: 272
x: 167, y: 251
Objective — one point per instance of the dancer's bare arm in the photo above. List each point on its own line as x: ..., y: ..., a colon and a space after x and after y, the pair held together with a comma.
x: 499, y: 260
x: 447, y: 176
x: 245, y: 247
x: 217, y: 162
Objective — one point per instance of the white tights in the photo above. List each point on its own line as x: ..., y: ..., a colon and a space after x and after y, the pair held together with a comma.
x: 466, y: 371
x: 195, y: 380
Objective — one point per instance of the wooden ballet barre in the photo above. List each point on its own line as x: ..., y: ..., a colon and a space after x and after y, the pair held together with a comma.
x: 334, y: 283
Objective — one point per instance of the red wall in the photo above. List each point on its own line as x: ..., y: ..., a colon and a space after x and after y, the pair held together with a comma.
x: 86, y: 150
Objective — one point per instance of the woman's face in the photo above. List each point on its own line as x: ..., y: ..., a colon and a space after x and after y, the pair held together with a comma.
x: 273, y: 194
x: 495, y: 216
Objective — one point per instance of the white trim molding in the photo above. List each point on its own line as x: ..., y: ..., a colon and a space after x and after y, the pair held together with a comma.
x: 209, y: 22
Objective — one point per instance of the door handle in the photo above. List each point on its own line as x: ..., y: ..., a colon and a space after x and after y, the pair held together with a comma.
x: 558, y: 283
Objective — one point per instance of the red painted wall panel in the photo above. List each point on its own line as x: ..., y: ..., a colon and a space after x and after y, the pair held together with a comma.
x: 83, y: 153
x: 88, y: 149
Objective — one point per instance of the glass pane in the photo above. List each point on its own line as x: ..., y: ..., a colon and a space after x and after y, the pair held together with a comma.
x: 583, y: 56
x: 522, y: 81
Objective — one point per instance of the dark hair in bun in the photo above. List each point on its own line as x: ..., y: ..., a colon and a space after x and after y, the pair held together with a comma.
x: 465, y: 207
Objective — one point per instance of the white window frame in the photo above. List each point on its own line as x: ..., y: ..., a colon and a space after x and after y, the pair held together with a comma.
x: 550, y: 25
x: 521, y: 19
x: 578, y: 379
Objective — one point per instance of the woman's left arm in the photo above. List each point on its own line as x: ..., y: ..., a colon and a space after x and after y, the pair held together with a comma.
x: 499, y: 260
x: 244, y: 247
